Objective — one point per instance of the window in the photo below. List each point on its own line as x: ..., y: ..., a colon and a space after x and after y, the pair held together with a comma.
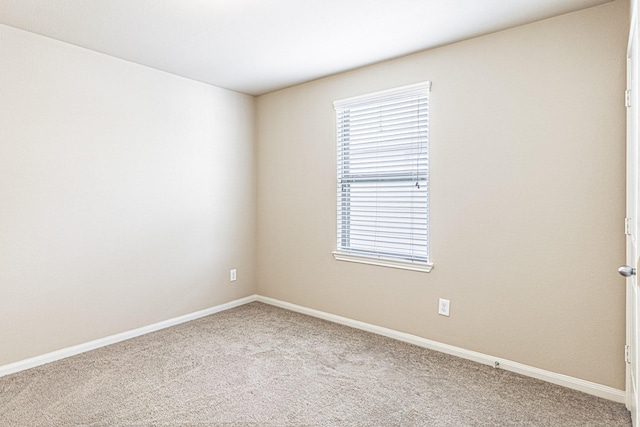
x: 383, y: 178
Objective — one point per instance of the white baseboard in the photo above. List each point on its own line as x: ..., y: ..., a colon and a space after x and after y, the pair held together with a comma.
x: 588, y: 387
x: 92, y: 345
x: 541, y: 374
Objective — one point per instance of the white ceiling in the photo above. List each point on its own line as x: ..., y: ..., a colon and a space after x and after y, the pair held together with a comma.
x: 257, y: 46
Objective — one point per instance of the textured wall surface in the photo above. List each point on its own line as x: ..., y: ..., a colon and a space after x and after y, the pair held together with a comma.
x: 527, y: 197
x: 126, y: 195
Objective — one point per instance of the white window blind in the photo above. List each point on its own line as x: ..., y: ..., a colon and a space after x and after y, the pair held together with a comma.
x: 383, y: 175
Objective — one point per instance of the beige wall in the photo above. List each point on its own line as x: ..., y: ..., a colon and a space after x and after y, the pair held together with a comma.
x: 126, y: 195
x: 527, y: 196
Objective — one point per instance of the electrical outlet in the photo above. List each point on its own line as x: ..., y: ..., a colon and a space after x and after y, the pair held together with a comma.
x: 443, y: 307
x: 232, y: 275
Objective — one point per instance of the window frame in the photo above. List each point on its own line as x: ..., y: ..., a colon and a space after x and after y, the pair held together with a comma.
x: 402, y: 260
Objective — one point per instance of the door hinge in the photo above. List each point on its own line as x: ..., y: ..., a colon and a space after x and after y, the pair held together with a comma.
x: 627, y: 226
x: 627, y: 98
x: 627, y: 355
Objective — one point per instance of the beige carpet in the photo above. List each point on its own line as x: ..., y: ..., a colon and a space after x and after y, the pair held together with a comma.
x: 258, y: 365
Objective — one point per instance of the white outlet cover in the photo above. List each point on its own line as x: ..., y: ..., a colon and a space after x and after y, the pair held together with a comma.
x: 443, y: 307
x: 232, y: 275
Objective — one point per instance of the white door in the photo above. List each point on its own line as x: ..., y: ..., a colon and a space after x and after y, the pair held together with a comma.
x: 632, y: 217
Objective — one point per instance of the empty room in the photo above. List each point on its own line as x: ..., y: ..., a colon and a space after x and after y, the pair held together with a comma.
x: 318, y: 213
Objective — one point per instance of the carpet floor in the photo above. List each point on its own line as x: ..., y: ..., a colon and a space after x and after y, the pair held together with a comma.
x: 258, y: 365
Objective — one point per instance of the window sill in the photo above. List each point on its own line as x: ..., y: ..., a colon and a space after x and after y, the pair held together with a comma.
x: 424, y: 267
